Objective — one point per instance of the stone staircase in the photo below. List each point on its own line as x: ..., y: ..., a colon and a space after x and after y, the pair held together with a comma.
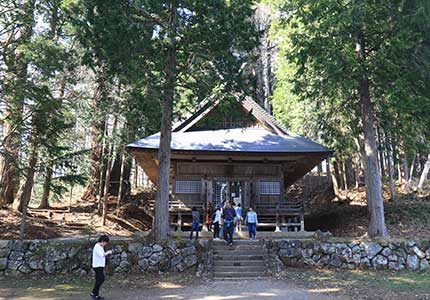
x: 244, y: 260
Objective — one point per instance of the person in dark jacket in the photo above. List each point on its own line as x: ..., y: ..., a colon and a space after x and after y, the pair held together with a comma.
x: 195, y: 226
x: 229, y: 214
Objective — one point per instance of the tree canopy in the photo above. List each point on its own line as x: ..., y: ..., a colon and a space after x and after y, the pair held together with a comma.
x: 80, y: 79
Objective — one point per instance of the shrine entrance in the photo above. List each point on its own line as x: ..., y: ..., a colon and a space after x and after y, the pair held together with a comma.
x: 231, y: 190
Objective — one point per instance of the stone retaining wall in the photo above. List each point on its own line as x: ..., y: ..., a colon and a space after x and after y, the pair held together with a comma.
x: 74, y: 255
x: 411, y: 254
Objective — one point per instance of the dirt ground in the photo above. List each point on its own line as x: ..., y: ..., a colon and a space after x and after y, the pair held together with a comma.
x: 297, y: 284
x: 407, y: 218
x: 218, y: 290
x: 78, y: 219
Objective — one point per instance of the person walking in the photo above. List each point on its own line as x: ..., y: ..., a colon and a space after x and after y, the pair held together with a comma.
x: 228, y: 215
x: 195, y: 226
x: 239, y: 217
x: 99, y: 263
x: 252, y: 222
x: 217, y: 222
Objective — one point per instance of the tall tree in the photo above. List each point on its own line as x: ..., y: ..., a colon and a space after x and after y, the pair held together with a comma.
x: 201, y: 51
x: 348, y: 54
x: 18, y: 26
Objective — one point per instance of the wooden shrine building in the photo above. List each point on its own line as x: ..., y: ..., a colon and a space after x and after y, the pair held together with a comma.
x: 233, y: 151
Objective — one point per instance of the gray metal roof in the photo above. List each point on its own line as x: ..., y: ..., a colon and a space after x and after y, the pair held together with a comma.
x: 234, y: 140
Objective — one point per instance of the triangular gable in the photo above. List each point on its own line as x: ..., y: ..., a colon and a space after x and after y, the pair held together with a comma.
x: 248, y: 107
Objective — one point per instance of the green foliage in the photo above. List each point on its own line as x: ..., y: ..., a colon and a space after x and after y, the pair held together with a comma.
x: 75, y: 63
x: 318, y: 70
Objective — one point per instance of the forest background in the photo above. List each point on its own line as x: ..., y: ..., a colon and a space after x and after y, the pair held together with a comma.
x: 80, y: 79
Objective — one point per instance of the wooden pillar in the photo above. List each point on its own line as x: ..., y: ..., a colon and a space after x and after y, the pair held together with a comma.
x: 256, y: 185
x: 203, y: 199
x: 278, y: 227
x: 179, y: 222
x: 302, y: 217
x: 247, y: 195
x: 228, y: 192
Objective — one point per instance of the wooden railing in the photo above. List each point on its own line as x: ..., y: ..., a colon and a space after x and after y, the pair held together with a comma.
x: 176, y: 205
x: 289, y: 215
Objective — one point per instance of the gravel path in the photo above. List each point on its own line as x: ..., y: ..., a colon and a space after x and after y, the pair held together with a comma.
x: 215, y: 290
x: 231, y: 290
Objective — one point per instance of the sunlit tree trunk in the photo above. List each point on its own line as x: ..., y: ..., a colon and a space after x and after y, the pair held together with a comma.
x: 44, y: 202
x: 390, y: 170
x: 107, y: 177
x: 343, y: 174
x: 265, y: 52
x: 412, y: 169
x: 121, y: 179
x: 328, y: 170
x: 424, y: 174
x: 370, y: 158
x: 97, y: 135
x: 338, y: 174
x: 350, y: 173
x: 381, y: 154
x: 24, y: 194
x: 406, y: 173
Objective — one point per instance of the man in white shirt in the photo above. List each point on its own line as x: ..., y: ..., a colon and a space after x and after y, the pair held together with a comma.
x: 99, y: 263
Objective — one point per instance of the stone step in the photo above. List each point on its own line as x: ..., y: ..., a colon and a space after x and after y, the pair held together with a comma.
x: 233, y: 263
x: 240, y: 278
x: 243, y: 259
x: 227, y: 253
x: 240, y: 269
x: 234, y: 246
x: 239, y: 242
x: 238, y: 247
x: 218, y: 275
x: 238, y: 257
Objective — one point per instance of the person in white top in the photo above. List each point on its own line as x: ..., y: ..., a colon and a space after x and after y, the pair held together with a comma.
x: 99, y: 263
x: 252, y: 222
x: 216, y: 222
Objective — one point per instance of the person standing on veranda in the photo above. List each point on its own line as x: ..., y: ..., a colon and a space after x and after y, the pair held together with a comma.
x: 251, y: 221
x: 217, y: 222
x: 239, y: 217
x: 195, y: 226
x: 229, y: 215
x: 209, y: 217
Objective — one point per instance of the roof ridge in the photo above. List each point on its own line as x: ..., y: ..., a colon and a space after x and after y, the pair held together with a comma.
x: 211, y: 102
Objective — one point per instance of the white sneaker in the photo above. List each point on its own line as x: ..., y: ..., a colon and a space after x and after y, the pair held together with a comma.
x: 216, y: 239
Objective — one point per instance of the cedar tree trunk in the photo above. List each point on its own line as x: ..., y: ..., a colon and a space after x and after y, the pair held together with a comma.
x: 370, y: 156
x: 161, y: 228
x: 424, y: 174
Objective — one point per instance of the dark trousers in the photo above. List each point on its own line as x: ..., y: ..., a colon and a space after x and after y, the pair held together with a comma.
x: 209, y: 226
x: 195, y: 227
x: 252, y: 228
x: 228, y: 232
x: 100, y: 278
x: 216, y: 230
